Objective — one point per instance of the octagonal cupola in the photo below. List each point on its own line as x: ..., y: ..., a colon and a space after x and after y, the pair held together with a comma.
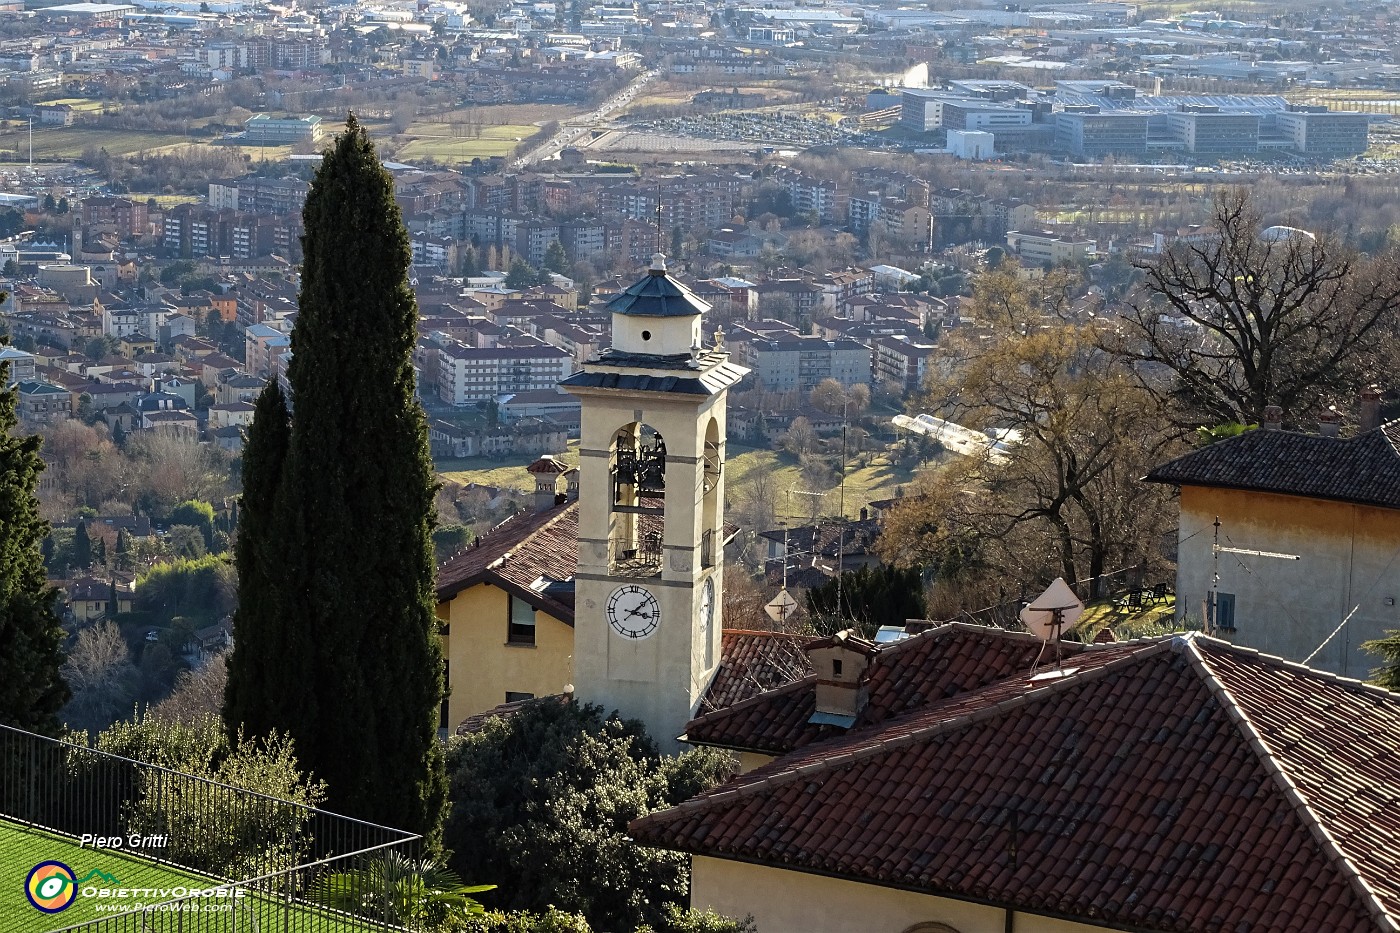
x: 656, y: 315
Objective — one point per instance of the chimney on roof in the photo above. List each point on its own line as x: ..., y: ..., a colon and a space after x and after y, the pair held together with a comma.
x: 1370, y: 408
x: 1329, y: 423
x: 840, y: 662
x: 571, y: 479
x: 1273, y: 418
x: 546, y: 472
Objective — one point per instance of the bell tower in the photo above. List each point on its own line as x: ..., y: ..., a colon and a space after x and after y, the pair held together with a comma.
x: 651, y: 508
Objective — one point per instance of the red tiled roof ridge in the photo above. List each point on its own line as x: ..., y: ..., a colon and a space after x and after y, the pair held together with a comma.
x: 1190, y: 647
x: 769, y: 633
x: 1353, y: 684
x: 867, y: 743
x: 956, y: 625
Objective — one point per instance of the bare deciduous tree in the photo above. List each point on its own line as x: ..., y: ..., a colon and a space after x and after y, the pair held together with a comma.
x: 1243, y: 321
x: 1065, y: 499
x: 100, y: 674
x: 197, y: 693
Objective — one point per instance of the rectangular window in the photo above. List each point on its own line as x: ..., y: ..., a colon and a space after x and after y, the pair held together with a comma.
x: 1225, y: 612
x: 522, y: 623
x: 513, y: 697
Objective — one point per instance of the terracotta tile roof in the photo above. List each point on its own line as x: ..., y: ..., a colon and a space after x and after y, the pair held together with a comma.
x: 516, y: 555
x: 752, y: 662
x: 1176, y: 784
x: 1363, y: 469
x: 905, y: 675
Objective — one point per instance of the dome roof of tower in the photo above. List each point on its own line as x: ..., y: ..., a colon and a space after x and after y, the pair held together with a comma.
x: 656, y: 294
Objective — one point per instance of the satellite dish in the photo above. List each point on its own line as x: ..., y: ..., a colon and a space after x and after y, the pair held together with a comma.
x: 1052, y: 611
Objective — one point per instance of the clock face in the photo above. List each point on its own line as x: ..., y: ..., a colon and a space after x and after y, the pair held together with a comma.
x: 633, y: 611
x: 707, y: 605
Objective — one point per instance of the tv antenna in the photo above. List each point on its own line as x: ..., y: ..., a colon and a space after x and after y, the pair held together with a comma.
x: 782, y: 605
x: 1213, y: 599
x: 1049, y: 613
x: 659, y: 237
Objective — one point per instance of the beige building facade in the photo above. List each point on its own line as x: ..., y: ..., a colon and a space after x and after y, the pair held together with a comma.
x: 783, y: 900
x: 1346, y: 565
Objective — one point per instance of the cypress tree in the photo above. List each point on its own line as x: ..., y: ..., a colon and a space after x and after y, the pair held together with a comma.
x: 31, y: 643
x: 82, y: 546
x: 261, y: 643
x: 350, y: 639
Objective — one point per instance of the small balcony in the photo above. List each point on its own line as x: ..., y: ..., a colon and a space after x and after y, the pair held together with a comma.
x: 639, y: 558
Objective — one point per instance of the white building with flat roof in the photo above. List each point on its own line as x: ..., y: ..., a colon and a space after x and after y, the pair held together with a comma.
x: 972, y: 144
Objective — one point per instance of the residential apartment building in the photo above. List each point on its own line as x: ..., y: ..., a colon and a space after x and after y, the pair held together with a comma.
x: 809, y: 195
x: 794, y: 361
x: 1044, y: 248
x: 467, y: 375
x: 122, y: 216
x: 262, y: 345
x: 901, y: 362
x: 259, y: 195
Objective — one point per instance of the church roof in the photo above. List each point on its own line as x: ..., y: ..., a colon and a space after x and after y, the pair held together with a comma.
x: 1175, y: 784
x: 656, y: 294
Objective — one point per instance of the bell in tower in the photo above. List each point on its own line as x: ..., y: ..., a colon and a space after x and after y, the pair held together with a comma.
x: 650, y: 574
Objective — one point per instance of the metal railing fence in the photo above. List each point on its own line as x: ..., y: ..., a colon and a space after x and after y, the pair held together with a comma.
x: 236, y: 860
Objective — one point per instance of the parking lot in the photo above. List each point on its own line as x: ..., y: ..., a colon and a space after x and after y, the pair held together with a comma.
x: 765, y: 128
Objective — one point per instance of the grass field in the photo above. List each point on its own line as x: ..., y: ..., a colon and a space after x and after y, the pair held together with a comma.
x: 21, y: 848
x: 68, y: 142
x: 499, y: 114
x: 437, y: 141
x: 489, y: 472
x: 1104, y: 613
x: 79, y: 104
x: 879, y: 480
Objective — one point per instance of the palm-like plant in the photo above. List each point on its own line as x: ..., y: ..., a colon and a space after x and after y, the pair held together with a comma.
x: 417, y: 894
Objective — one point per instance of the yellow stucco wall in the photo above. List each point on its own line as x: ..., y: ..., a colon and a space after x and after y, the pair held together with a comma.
x: 85, y: 610
x: 482, y: 667
x: 784, y: 901
x: 1349, y: 557
x: 750, y: 760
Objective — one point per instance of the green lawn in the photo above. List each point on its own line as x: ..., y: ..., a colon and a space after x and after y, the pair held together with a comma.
x: 490, y: 472
x: 68, y: 142
x: 437, y: 141
x: 21, y: 848
x: 878, y: 480
x: 1104, y: 613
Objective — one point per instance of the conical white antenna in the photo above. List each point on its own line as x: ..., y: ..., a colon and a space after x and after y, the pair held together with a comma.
x: 1049, y: 613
